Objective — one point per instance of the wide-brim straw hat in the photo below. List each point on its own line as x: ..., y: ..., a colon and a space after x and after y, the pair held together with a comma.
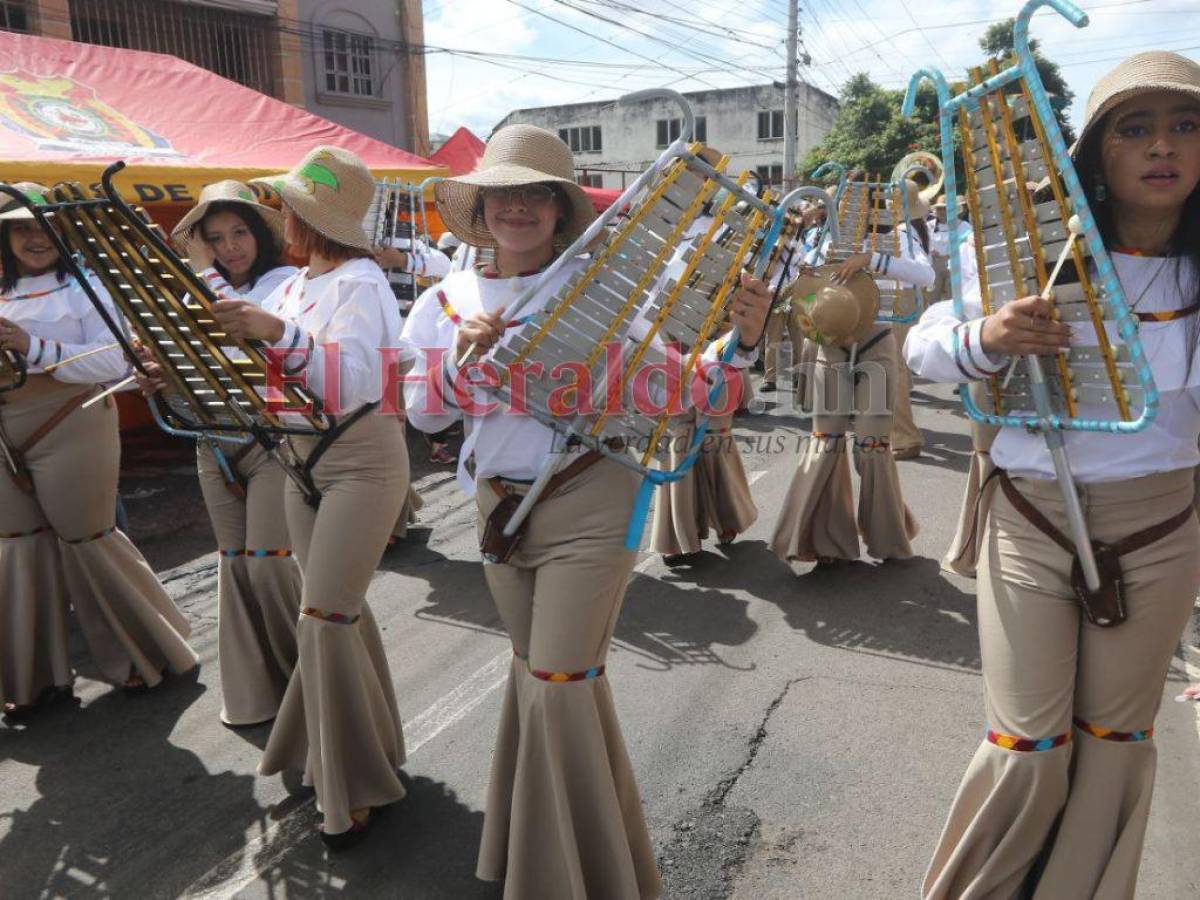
x: 834, y: 314
x: 918, y: 206
x: 330, y: 190
x: 10, y: 209
x: 228, y: 192
x: 516, y: 155
x: 1142, y: 73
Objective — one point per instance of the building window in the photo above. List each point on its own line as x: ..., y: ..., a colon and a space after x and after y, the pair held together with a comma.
x: 13, y: 16
x: 591, y: 179
x: 770, y: 124
x: 585, y: 139
x: 348, y: 63
x: 234, y: 45
x: 770, y: 176
x: 667, y: 130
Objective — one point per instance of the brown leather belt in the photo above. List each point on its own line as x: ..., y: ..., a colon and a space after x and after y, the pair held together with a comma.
x: 557, y: 480
x: 20, y: 475
x: 1127, y: 545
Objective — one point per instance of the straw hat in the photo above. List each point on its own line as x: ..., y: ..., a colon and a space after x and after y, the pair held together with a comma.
x: 330, y: 190
x: 940, y: 202
x: 1142, y: 73
x: 228, y: 192
x: 838, y: 314
x: 918, y: 206
x: 516, y: 155
x: 11, y: 209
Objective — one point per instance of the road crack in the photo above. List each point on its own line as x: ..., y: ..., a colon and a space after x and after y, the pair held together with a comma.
x: 710, y: 844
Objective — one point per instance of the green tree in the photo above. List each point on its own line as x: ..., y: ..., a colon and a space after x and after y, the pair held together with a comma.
x: 869, y: 132
x: 997, y: 42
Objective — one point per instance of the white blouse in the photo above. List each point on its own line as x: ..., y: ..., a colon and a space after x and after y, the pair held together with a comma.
x: 504, y: 444
x: 912, y: 266
x: 422, y: 261
x: 62, y: 323
x: 346, y: 318
x: 1169, y: 442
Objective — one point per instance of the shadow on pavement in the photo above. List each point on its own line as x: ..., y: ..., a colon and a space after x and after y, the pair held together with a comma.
x: 422, y: 847
x: 904, y: 609
x: 107, y: 821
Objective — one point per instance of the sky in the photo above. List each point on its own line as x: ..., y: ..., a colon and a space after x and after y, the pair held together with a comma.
x: 489, y: 57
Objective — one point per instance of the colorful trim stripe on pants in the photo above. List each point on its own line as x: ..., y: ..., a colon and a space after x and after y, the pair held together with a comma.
x: 13, y: 535
x: 1026, y: 745
x: 90, y: 537
x: 325, y: 615
x: 561, y: 677
x: 257, y: 554
x: 1107, y: 734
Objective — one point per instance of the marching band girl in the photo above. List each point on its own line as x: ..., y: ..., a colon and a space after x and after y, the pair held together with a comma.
x: 817, y: 522
x: 1055, y: 802
x: 330, y: 323
x: 563, y: 815
x: 258, y: 581
x: 58, y: 541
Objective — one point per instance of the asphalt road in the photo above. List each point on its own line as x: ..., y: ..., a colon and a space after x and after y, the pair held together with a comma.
x: 795, y: 734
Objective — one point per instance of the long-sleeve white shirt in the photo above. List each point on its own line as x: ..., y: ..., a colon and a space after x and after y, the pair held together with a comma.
x: 1169, y: 442
x: 504, y: 443
x: 343, y: 319
x: 911, y: 266
x: 421, y: 260
x: 62, y: 322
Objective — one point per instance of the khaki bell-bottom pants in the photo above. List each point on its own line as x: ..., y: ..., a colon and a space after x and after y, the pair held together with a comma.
x: 564, y: 820
x: 818, y: 519
x: 60, y: 548
x: 338, y: 722
x: 777, y: 323
x: 258, y: 583
x: 905, y: 433
x: 1061, y: 784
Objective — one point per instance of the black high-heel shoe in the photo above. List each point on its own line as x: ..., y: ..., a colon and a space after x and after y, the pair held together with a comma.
x: 51, y: 696
x: 351, y: 837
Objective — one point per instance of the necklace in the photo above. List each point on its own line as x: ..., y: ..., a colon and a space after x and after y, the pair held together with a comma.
x: 34, y: 295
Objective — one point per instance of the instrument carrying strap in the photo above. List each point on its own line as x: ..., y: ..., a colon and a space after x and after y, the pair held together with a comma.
x: 235, y: 482
x: 557, y: 480
x: 20, y: 474
x: 305, y: 469
x: 1123, y: 547
x: 1105, y: 605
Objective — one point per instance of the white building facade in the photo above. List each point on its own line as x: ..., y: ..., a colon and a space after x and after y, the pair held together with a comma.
x: 613, y: 143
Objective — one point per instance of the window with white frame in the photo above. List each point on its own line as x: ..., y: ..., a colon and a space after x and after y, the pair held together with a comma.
x: 584, y: 139
x: 770, y: 124
x: 591, y: 179
x: 667, y: 130
x: 349, y: 63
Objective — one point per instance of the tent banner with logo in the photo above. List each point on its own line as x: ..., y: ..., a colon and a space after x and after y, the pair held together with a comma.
x: 68, y: 110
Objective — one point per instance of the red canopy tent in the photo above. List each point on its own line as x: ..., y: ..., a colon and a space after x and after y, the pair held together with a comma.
x: 67, y: 110
x: 463, y: 150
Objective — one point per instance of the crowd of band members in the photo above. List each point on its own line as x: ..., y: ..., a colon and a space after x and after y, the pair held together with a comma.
x: 1056, y: 800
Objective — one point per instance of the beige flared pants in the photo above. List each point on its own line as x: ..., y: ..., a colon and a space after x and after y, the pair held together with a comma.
x: 564, y: 820
x: 714, y: 493
x: 817, y: 519
x: 905, y: 433
x: 59, y: 547
x: 258, y: 584
x: 1055, y: 802
x: 963, y: 555
x: 338, y: 722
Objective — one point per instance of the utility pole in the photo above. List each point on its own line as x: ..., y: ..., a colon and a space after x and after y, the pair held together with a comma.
x: 791, y: 120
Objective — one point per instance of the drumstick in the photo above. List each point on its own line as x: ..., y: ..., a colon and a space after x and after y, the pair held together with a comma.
x: 112, y: 390
x: 70, y: 359
x: 1076, y: 229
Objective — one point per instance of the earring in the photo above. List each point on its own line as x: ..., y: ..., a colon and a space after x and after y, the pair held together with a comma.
x: 1101, y: 192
